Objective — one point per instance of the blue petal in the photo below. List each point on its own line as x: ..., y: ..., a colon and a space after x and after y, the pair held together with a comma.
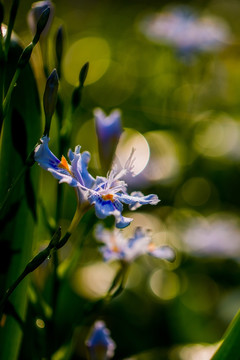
x: 135, y: 201
x: 164, y: 252
x: 104, y: 208
x: 44, y: 157
x: 87, y: 178
x: 48, y: 161
x: 122, y: 221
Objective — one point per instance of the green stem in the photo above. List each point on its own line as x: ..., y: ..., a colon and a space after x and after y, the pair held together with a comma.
x: 28, y: 163
x: 8, y: 96
x: 31, y: 266
x: 12, y: 18
x: 55, y: 243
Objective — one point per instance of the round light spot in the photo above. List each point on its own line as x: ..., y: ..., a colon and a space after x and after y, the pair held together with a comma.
x: 164, y: 162
x: 165, y: 285
x: 94, y: 280
x: 94, y: 50
x: 217, y: 136
x: 196, y: 191
x: 133, y: 139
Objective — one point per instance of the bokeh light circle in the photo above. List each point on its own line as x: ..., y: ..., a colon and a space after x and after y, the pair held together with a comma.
x: 94, y: 50
x: 133, y: 139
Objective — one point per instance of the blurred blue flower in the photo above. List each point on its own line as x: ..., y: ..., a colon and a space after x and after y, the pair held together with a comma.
x: 109, y: 130
x: 117, y: 247
x: 183, y: 29
x: 108, y: 194
x: 99, y: 344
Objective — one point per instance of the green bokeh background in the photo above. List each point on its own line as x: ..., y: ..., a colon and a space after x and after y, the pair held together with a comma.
x: 189, y: 112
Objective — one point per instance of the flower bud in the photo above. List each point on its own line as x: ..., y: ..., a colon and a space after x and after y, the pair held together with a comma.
x: 99, y: 344
x: 59, y: 49
x: 109, y: 129
x: 35, y: 13
x: 77, y: 92
x: 50, y: 99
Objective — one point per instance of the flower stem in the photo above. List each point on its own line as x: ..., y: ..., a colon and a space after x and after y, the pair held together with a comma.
x: 31, y: 266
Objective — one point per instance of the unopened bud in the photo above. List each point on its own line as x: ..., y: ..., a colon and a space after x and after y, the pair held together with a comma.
x: 77, y: 92
x: 59, y: 49
x: 109, y: 130
x: 35, y: 13
x: 42, y: 22
x: 83, y: 74
x: 50, y: 99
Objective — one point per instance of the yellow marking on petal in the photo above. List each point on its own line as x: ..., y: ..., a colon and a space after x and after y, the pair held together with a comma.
x: 108, y: 197
x: 64, y: 164
x: 151, y: 247
x: 114, y: 245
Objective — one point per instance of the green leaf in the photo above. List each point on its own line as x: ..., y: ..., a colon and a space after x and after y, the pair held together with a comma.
x: 18, y: 232
x: 229, y: 349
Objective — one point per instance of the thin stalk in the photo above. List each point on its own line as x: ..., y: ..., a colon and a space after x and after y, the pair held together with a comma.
x: 12, y: 18
x: 8, y: 96
x: 28, y: 163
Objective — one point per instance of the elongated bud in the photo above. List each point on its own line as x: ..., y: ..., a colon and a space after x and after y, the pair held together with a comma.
x: 99, y: 344
x: 59, y: 49
x: 50, y: 99
x: 109, y: 130
x: 35, y: 13
x: 42, y: 22
x: 83, y: 74
x: 77, y: 92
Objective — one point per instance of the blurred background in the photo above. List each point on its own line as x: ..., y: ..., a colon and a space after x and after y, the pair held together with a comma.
x: 173, y: 70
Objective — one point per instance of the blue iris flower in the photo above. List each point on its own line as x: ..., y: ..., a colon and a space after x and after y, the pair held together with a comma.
x: 117, y: 247
x: 99, y: 343
x: 107, y: 194
x: 109, y: 130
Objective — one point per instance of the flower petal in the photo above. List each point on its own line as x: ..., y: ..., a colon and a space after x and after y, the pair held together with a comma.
x: 137, y: 199
x: 164, y: 252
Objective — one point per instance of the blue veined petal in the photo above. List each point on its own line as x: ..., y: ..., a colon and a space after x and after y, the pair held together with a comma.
x: 163, y: 252
x: 104, y: 208
x: 137, y: 199
x: 48, y: 161
x: 43, y: 155
x: 122, y: 221
x: 76, y: 166
x: 63, y: 177
x: 87, y: 178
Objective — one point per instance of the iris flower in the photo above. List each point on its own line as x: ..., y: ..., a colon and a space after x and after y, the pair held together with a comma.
x: 109, y: 130
x: 117, y: 247
x: 99, y: 343
x: 107, y: 194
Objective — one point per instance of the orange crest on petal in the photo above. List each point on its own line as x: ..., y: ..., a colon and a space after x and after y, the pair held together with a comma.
x: 108, y: 197
x: 64, y: 164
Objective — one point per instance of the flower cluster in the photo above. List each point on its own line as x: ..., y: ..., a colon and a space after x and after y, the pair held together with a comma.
x: 117, y: 247
x: 107, y: 194
x: 182, y: 28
